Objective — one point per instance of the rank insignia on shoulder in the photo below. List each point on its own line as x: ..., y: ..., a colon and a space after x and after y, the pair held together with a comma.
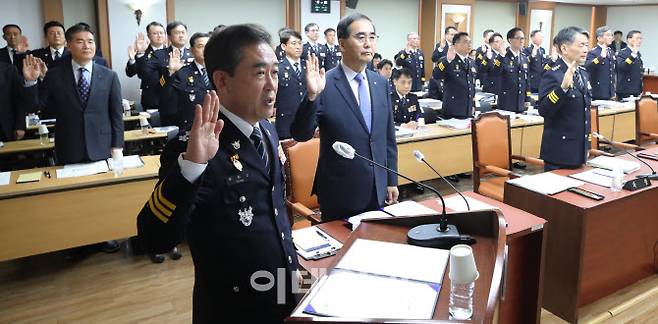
x: 555, y: 68
x: 235, y: 159
x: 236, y: 145
x: 246, y: 215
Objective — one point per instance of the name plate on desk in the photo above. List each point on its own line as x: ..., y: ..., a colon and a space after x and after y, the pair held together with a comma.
x: 636, y: 184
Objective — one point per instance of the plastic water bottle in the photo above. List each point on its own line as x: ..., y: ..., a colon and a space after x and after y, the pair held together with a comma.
x: 117, y: 162
x: 461, y: 301
x: 617, y: 180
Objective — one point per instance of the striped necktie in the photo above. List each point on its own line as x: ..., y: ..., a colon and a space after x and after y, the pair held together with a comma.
x: 206, y: 81
x: 257, y: 137
x: 83, y: 86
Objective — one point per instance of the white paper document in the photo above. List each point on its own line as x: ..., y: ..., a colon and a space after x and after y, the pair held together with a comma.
x: 312, y: 243
x: 455, y: 123
x: 82, y: 169
x: 599, y: 177
x: 546, y: 183
x: 408, y: 208
x: 4, y: 178
x: 395, y: 260
x: 457, y: 204
x: 430, y: 103
x: 610, y: 163
x: 359, y: 295
x: 401, y: 132
x: 129, y: 162
x: 355, y: 220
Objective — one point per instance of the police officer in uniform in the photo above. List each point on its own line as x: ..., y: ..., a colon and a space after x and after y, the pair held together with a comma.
x: 601, y: 66
x: 630, y: 66
x: 222, y: 188
x: 458, y: 73
x: 312, y: 31
x: 492, y: 63
x: 514, y: 91
x: 481, y: 53
x: 330, y: 53
x: 405, y: 104
x: 189, y: 85
x: 292, y: 82
x: 441, y: 49
x: 143, y: 52
x: 536, y: 59
x: 163, y: 64
x: 564, y: 101
x: 280, y: 54
x: 413, y: 60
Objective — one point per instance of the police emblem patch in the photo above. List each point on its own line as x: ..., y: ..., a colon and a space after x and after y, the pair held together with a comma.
x: 236, y: 145
x: 246, y: 215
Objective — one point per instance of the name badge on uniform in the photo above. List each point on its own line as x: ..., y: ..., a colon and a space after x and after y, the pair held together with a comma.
x: 412, y: 108
x: 235, y: 159
x: 322, y: 54
x: 246, y: 215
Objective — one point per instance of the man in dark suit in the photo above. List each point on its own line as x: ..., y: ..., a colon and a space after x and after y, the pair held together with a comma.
x: 354, y: 107
x: 84, y: 97
x: 536, y: 59
x: 330, y: 54
x: 458, y: 72
x: 514, y: 91
x: 412, y: 59
x: 56, y: 49
x: 14, y: 51
x: 405, y: 104
x: 601, y: 66
x: 189, y: 85
x: 162, y: 64
x: 224, y: 192
x: 441, y: 49
x: 312, y: 31
x: 143, y: 48
x: 564, y: 101
x: 618, y: 44
x: 292, y: 82
x: 630, y: 67
x: 12, y: 115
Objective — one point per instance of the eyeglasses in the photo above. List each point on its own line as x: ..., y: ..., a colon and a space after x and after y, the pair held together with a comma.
x: 361, y: 37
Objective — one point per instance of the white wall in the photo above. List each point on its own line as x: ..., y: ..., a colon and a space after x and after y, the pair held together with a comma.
x: 324, y: 21
x: 393, y: 20
x: 204, y: 15
x: 28, y: 14
x: 76, y: 11
x: 499, y: 16
x: 123, y: 29
x: 642, y: 18
x: 566, y: 16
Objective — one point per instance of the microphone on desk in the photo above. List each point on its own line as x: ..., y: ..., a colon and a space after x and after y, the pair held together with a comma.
x: 421, y: 158
x: 439, y: 235
x: 652, y: 176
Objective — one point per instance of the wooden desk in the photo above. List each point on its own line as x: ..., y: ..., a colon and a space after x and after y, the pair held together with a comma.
x: 130, y: 122
x: 521, y: 295
x: 55, y: 214
x: 450, y: 151
x: 34, y: 145
x: 488, y: 230
x: 650, y: 83
x: 594, y: 248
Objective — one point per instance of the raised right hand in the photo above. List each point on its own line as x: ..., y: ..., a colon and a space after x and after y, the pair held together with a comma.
x: 175, y: 62
x: 141, y: 43
x: 204, y: 135
x: 451, y: 54
x: 31, y: 68
x: 567, y: 82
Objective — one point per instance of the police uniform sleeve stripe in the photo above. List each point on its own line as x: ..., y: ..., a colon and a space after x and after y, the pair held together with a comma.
x: 156, y: 212
x: 161, y: 198
x: 553, y: 97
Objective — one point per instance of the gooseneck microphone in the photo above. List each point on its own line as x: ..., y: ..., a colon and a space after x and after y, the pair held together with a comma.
x: 421, y: 158
x: 653, y: 175
x: 439, y: 235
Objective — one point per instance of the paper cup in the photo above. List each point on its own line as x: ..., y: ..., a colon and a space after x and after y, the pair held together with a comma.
x: 43, y: 129
x: 462, y: 265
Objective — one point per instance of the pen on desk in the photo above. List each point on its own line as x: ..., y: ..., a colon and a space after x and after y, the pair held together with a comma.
x: 322, y: 235
x: 47, y: 174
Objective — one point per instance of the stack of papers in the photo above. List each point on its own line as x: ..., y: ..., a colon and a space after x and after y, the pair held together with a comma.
x: 401, y: 132
x: 312, y: 243
x: 457, y: 204
x: 408, y: 208
x: 529, y: 117
x: 603, y: 104
x: 29, y: 177
x: 546, y: 183
x: 455, y: 123
x: 430, y: 103
x: 611, y: 163
x: 4, y: 178
x: 355, y: 220
x: 511, y: 114
x: 596, y: 176
x: 82, y: 169
x: 129, y: 162
x: 381, y: 280
x: 484, y: 96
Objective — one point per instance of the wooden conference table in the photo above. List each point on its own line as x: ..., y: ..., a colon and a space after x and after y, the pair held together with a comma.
x: 55, y: 214
x: 450, y: 150
x: 522, y: 282
x: 595, y: 247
